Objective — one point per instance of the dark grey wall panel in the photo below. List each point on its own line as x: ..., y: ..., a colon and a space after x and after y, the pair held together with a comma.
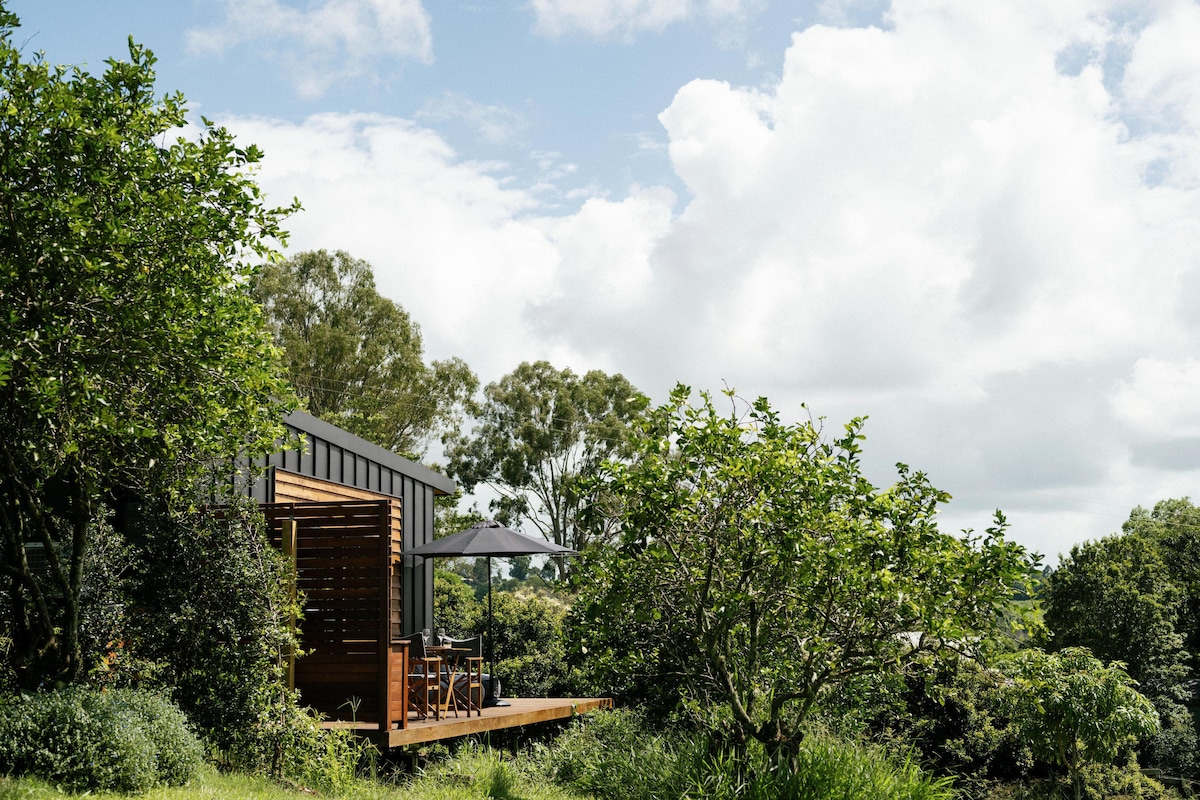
x: 333, y: 454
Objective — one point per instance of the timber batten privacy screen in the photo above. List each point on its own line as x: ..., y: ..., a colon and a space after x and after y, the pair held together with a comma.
x: 356, y: 508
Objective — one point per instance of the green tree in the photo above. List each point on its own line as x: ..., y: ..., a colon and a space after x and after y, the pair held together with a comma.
x: 540, y: 431
x: 131, y: 356
x: 758, y: 569
x: 356, y: 357
x: 1115, y: 596
x: 1174, y: 525
x: 1073, y: 709
x: 206, y: 617
x: 518, y: 567
x: 529, y: 644
x: 458, y: 610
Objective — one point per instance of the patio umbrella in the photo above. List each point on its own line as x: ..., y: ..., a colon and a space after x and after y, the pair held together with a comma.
x: 488, y: 538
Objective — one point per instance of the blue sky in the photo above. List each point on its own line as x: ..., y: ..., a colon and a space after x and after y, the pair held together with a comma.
x: 977, y: 224
x: 491, y: 83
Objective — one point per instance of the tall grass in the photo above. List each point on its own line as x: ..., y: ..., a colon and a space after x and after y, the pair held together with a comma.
x: 604, y: 755
x: 615, y: 755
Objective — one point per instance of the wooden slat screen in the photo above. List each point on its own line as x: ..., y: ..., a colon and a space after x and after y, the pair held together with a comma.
x: 347, y: 566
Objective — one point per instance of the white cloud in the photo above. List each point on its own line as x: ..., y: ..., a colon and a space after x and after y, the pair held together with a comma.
x: 494, y: 124
x: 1159, y: 399
x: 325, y: 42
x: 448, y: 240
x: 948, y: 225
x: 626, y: 18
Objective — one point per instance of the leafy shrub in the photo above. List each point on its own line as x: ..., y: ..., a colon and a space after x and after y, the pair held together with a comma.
x: 288, y: 743
x: 1109, y: 782
x: 208, y: 619
x: 458, y: 610
x: 84, y: 740
x: 615, y: 755
x: 618, y: 659
x: 177, y: 751
x: 955, y: 718
x: 476, y: 771
x: 1099, y: 782
x: 1174, y: 748
x: 529, y: 644
x: 826, y: 768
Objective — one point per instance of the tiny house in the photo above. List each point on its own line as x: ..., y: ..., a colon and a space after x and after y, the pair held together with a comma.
x: 346, y: 510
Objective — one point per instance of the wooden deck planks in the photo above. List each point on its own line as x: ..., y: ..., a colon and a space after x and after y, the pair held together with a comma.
x: 522, y: 711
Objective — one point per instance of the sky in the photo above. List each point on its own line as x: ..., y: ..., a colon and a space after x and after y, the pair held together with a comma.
x: 975, y: 224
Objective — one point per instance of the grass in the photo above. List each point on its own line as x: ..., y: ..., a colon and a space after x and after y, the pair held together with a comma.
x: 609, y: 756
x: 471, y: 775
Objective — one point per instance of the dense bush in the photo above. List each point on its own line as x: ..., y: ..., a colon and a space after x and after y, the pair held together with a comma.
x: 529, y: 644
x: 289, y: 744
x: 1100, y: 782
x: 206, y: 616
x: 528, y: 631
x: 954, y: 718
x: 615, y: 755
x: 1174, y: 748
x: 117, y: 740
x: 601, y: 664
x: 458, y: 611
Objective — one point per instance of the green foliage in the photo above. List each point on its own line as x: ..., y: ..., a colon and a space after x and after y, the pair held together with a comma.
x: 208, y: 616
x: 615, y: 755
x: 833, y: 769
x: 118, y: 740
x: 1073, y: 709
x: 457, y: 608
x: 1174, y: 525
x: 530, y: 653
x: 528, y: 630
x: 1174, y: 749
x: 356, y: 357
x: 1116, y: 597
x: 1128, y: 598
x: 205, y: 615
x: 131, y: 355
x: 955, y: 718
x: 288, y: 743
x: 482, y: 772
x: 758, y: 568
x: 540, y: 431
x: 1098, y: 782
x: 1109, y: 781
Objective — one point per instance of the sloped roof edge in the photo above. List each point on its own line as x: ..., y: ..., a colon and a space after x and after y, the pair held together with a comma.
x: 307, y: 423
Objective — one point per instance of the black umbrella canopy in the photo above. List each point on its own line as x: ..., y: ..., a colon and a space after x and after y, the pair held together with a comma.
x: 488, y: 538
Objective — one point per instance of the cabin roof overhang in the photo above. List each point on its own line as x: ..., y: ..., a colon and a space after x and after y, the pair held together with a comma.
x: 303, y: 422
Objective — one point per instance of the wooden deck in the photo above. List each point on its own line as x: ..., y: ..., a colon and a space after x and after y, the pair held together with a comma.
x: 522, y: 711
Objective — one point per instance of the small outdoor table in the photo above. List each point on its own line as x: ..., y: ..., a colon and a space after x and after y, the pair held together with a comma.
x: 451, y: 657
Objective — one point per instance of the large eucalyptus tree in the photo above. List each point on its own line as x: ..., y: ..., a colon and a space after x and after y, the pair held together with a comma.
x: 540, y: 431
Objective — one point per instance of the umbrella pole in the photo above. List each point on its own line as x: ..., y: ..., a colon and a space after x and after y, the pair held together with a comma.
x: 493, y: 698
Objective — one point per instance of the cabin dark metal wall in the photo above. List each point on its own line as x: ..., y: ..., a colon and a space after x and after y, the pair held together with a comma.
x: 332, y: 454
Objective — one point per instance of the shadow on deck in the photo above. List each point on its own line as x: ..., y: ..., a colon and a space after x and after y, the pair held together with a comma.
x: 522, y: 711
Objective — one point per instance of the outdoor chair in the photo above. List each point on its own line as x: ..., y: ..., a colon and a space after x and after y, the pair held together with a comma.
x: 424, y: 679
x: 468, y: 686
